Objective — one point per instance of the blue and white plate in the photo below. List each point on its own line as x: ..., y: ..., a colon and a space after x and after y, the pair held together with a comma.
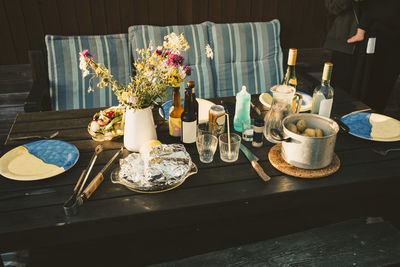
x: 204, y: 107
x: 266, y: 100
x: 373, y: 126
x: 38, y: 160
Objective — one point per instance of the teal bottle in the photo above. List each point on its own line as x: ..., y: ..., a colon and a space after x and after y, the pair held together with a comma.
x: 242, y: 111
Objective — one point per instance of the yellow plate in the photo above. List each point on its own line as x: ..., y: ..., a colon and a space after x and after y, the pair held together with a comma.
x: 38, y: 160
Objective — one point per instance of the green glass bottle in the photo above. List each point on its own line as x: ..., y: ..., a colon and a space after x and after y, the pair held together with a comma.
x: 323, y: 94
x: 290, y: 76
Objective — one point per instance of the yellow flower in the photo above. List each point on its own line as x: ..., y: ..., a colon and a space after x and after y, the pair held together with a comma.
x: 139, y: 66
x: 174, y: 79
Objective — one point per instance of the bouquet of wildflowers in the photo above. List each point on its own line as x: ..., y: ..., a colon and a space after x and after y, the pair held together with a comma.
x: 156, y: 71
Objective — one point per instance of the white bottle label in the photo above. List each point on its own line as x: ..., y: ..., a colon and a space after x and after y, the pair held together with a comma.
x: 325, y: 107
x: 189, y: 132
x: 371, y: 45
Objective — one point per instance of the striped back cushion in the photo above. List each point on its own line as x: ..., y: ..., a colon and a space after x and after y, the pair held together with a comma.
x: 195, y: 57
x: 68, y: 89
x: 246, y: 54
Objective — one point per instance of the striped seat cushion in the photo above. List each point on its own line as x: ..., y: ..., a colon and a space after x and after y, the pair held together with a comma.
x: 195, y: 57
x: 246, y: 54
x: 68, y: 89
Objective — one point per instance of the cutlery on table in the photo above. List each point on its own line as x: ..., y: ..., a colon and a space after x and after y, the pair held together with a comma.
x: 385, y: 152
x: 343, y: 126
x: 254, y: 162
x: 31, y: 193
x: 34, y: 136
x: 73, y: 202
x: 361, y: 110
x: 98, y: 179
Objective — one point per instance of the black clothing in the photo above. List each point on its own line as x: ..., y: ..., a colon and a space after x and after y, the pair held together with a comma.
x: 369, y: 77
x: 380, y: 69
x: 344, y: 26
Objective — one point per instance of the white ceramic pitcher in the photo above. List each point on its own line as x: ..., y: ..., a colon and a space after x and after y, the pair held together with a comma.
x: 139, y: 128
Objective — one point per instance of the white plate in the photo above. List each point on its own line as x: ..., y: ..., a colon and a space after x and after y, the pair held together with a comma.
x: 204, y: 107
x: 266, y: 100
x: 38, y: 160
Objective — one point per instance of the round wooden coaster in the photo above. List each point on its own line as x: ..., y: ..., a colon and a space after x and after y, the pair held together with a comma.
x: 279, y: 163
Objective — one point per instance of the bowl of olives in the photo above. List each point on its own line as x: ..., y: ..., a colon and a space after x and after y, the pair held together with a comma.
x: 309, y: 140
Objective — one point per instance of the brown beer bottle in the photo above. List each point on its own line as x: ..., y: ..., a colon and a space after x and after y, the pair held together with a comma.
x: 175, y: 113
x: 189, y: 118
x: 190, y: 84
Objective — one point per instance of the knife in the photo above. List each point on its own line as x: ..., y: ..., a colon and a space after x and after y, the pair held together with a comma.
x: 31, y: 193
x: 253, y: 159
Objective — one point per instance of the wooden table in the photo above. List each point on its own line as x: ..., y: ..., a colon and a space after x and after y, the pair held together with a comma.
x: 221, y: 206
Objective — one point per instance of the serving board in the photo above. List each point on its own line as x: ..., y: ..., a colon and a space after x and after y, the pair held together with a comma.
x: 276, y: 159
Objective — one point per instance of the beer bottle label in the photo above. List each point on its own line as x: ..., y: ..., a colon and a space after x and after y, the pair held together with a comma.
x: 189, y: 132
x: 175, y: 127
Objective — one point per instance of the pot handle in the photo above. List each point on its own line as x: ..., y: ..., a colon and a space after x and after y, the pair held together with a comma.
x: 277, y: 135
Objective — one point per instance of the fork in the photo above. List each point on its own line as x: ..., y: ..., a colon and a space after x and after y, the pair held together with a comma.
x: 35, y: 136
x: 385, y: 152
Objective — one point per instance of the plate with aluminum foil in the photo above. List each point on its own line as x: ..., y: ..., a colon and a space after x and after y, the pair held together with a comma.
x: 162, y: 168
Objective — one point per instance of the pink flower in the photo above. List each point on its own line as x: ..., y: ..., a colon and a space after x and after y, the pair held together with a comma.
x: 158, y: 52
x: 188, y: 70
x: 86, y: 53
x: 175, y: 60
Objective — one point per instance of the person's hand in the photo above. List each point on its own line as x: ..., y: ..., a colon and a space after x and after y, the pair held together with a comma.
x: 358, y: 37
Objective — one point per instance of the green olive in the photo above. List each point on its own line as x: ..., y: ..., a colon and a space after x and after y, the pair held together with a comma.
x: 291, y: 127
x: 301, y: 125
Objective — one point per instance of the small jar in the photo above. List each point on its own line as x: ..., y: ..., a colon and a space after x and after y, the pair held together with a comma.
x: 258, y: 133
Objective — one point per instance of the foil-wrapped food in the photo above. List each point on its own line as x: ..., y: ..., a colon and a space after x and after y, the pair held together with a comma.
x: 161, y: 168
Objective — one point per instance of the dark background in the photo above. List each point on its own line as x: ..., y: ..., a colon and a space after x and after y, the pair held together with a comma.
x: 24, y: 23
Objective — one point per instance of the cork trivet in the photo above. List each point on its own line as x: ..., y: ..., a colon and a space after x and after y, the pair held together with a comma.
x: 279, y: 163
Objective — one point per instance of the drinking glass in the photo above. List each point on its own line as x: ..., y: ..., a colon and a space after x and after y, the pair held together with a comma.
x: 206, y: 142
x: 247, y: 130
x: 229, y: 153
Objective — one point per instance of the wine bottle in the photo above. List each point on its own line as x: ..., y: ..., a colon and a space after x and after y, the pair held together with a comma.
x: 290, y: 76
x: 188, y: 119
x: 191, y: 85
x: 323, y: 94
x: 175, y: 113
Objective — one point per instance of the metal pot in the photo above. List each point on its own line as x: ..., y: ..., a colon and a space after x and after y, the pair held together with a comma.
x: 309, y: 152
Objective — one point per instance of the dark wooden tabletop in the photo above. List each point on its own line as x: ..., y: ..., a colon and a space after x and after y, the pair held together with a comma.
x: 366, y: 184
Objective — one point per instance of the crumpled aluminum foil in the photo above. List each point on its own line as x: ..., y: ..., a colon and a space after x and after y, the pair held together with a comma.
x: 160, y: 167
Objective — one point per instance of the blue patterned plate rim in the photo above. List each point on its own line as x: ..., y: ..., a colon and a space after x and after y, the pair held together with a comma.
x: 360, y: 125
